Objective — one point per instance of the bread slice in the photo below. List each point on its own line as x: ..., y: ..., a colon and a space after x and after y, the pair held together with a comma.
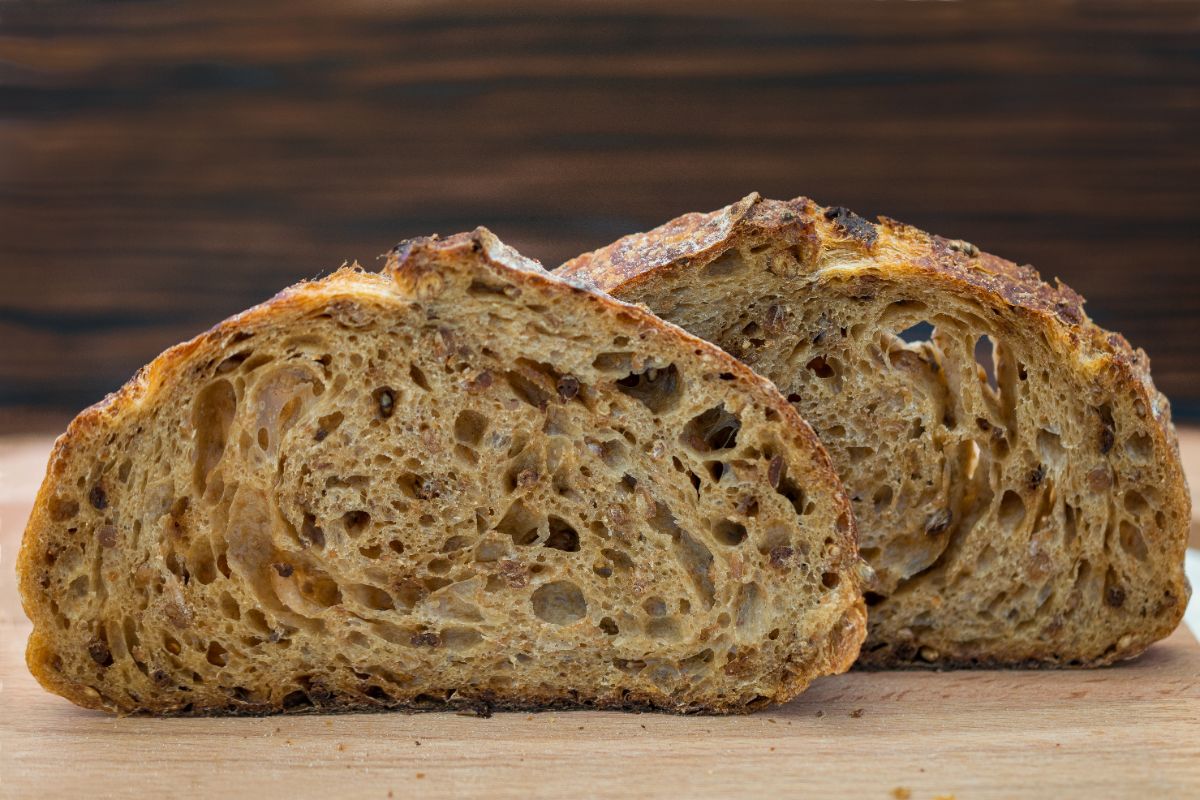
x: 1029, y: 513
x: 459, y: 482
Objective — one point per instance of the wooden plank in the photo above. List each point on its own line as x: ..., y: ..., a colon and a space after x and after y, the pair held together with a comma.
x: 1131, y: 730
x: 1128, y: 731
x: 166, y: 165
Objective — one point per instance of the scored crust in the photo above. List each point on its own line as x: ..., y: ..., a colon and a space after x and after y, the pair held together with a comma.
x: 838, y: 311
x: 165, y: 574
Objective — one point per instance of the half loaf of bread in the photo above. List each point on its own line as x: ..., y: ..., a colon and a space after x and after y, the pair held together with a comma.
x: 1013, y: 471
x: 462, y: 481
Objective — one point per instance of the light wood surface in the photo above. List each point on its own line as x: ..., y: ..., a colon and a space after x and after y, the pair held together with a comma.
x: 1131, y: 730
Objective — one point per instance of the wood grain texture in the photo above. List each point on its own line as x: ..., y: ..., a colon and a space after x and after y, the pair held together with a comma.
x: 1128, y: 731
x: 168, y: 163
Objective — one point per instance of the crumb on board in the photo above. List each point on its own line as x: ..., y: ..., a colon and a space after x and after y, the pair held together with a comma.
x: 820, y: 713
x: 856, y: 713
x: 901, y: 793
x: 341, y: 747
x: 420, y: 775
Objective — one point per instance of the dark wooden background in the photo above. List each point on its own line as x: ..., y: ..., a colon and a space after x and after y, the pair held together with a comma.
x: 164, y: 164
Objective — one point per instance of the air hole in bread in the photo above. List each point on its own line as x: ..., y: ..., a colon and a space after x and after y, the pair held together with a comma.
x: 658, y: 389
x: 562, y: 536
x: 520, y: 523
x: 1132, y: 541
x: 417, y: 375
x: 217, y: 655
x: 749, y: 605
x: 420, y: 487
x: 620, y: 561
x: 919, y: 332
x: 527, y: 391
x: 1011, y: 511
x: 356, y: 522
x: 697, y: 561
x: 229, y: 607
x: 882, y: 498
x: 725, y: 264
x: 212, y: 416
x: 200, y: 558
x: 470, y: 426
x: 558, y: 603
x: 609, y: 626
x: 311, y: 534
x: 715, y: 429
x: 614, y: 362
x: 984, y: 352
x: 478, y: 288
x: 654, y: 606
x: 369, y: 596
x: 1050, y: 448
x: 1140, y: 447
x: 822, y: 367
x: 327, y: 425
x: 729, y: 533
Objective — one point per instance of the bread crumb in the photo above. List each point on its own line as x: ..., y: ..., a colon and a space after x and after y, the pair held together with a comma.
x: 856, y: 713
x: 420, y: 775
x: 341, y: 748
x: 944, y: 797
x: 773, y: 722
x: 901, y: 793
x: 820, y: 713
x: 417, y: 742
x: 771, y: 749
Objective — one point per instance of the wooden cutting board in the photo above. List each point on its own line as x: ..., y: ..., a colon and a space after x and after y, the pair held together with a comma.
x: 1127, y: 731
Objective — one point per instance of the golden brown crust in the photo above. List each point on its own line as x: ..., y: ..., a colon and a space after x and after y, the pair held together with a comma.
x: 674, y: 249
x: 415, y: 269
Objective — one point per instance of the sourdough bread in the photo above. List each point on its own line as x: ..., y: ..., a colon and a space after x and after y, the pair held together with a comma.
x: 461, y: 482
x: 1013, y: 471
